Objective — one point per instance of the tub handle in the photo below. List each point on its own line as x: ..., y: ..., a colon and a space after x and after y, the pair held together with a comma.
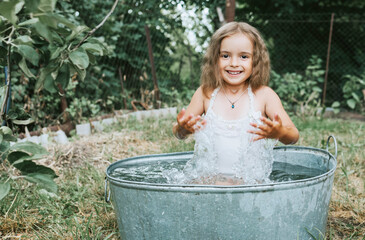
x: 106, y: 191
x: 334, y: 139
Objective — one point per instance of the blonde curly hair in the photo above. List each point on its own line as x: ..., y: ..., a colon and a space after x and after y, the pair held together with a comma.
x: 210, y: 77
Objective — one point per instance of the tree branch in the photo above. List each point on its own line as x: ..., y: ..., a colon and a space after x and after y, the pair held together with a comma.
x: 97, y: 27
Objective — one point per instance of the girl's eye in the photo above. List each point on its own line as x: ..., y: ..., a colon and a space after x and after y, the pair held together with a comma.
x: 225, y: 56
x: 244, y: 57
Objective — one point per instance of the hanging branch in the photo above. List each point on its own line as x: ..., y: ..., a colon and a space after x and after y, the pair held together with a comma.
x: 97, y: 27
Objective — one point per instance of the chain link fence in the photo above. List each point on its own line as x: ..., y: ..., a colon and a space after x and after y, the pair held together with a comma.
x: 293, y: 39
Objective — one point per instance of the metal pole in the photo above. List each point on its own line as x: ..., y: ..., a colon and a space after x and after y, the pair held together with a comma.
x: 153, y: 70
x: 328, y: 61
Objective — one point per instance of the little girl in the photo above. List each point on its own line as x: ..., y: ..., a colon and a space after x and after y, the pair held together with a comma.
x: 233, y: 114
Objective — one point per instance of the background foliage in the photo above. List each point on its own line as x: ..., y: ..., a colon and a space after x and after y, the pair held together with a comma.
x: 118, y: 68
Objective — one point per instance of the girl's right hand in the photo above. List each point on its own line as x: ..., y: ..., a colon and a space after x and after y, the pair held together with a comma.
x: 190, y: 123
x: 187, y: 124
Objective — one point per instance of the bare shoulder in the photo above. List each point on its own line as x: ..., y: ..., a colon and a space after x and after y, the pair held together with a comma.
x: 199, y: 94
x: 197, y: 103
x: 266, y: 93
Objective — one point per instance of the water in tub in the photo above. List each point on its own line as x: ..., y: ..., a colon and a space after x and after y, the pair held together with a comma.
x: 160, y: 172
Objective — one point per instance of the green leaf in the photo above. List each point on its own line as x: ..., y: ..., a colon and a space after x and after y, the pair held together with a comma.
x: 43, y: 180
x: 317, y: 89
x: 79, y: 58
x: 4, y: 147
x: 48, y: 20
x: 29, y: 22
x: 31, y: 5
x: 354, y: 95
x: 29, y: 148
x: 335, y: 104
x: 62, y: 20
x: 23, y: 66
x: 7, y: 134
x: 351, y: 103
x: 44, y: 72
x: 19, y: 6
x: 28, y: 166
x: 6, y: 130
x: 4, y: 190
x: 23, y: 40
x: 23, y: 151
x: 10, y: 138
x: 49, y: 84
x: 47, y: 5
x: 44, y: 31
x: 77, y: 31
x: 81, y: 73
x: 28, y: 53
x: 93, y: 48
x: 9, y: 10
x: 92, y: 58
x: 56, y: 53
x: 63, y: 76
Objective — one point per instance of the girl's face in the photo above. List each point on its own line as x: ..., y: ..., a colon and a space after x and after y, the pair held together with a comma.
x: 235, y: 59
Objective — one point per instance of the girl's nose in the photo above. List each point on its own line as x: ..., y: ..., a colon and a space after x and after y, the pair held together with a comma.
x: 234, y: 61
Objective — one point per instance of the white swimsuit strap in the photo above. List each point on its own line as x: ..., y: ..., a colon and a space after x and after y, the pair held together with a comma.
x: 252, y: 99
x: 212, y: 99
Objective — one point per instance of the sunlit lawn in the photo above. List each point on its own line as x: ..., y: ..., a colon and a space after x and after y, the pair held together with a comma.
x: 78, y: 210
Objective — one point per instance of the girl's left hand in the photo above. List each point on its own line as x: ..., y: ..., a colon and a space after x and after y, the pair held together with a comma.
x: 269, y: 128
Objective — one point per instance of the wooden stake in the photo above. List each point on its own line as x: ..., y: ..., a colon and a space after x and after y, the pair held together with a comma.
x: 327, y: 61
x: 153, y: 70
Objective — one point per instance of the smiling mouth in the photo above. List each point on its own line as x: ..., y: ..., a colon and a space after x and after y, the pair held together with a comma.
x: 234, y: 72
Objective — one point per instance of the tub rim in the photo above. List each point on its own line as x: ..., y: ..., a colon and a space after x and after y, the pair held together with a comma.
x: 202, y: 188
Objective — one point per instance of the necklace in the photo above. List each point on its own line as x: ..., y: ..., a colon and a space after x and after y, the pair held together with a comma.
x: 233, y: 102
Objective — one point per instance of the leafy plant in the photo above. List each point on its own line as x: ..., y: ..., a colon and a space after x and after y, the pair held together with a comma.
x: 49, y: 49
x: 300, y: 92
x: 81, y: 107
x: 21, y: 156
x: 353, y: 92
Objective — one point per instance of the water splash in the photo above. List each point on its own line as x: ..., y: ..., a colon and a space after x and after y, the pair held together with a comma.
x: 249, y: 162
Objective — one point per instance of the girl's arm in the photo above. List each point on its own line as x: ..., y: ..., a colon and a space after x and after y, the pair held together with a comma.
x: 189, y: 120
x: 278, y: 125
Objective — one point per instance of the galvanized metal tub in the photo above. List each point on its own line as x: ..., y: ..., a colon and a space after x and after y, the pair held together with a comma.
x: 285, y: 210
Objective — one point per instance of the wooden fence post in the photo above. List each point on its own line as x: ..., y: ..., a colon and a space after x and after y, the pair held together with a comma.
x: 327, y: 61
x: 153, y: 70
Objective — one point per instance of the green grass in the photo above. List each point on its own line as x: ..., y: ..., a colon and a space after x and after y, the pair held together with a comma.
x: 78, y: 210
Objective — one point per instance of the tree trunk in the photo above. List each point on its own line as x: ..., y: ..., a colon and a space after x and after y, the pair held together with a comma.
x: 230, y: 10
x: 63, y: 103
